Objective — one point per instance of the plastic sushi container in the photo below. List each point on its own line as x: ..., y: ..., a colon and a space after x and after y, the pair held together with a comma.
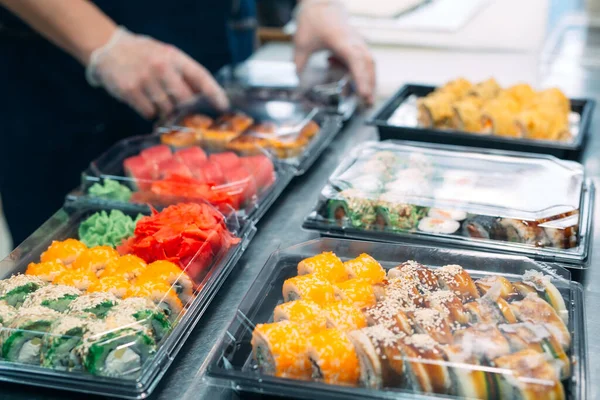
x: 288, y: 339
x: 329, y: 88
x: 86, y: 319
x: 397, y: 119
x: 529, y: 204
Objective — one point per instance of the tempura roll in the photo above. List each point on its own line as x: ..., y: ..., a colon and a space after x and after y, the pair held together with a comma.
x: 457, y: 88
x: 485, y: 90
x: 467, y: 115
x: 435, y: 111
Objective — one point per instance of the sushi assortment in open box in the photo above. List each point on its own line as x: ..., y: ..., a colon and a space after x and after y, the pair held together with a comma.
x: 392, y: 189
x: 107, y: 290
x: 417, y: 325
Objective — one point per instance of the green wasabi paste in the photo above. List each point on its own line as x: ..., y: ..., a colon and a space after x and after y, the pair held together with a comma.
x: 104, y: 229
x: 110, y: 190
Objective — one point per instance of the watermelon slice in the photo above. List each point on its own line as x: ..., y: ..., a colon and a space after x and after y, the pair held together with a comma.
x: 227, y: 160
x: 262, y: 169
x: 156, y: 154
x: 191, y: 156
x: 140, y: 170
x: 172, y: 167
x: 242, y: 178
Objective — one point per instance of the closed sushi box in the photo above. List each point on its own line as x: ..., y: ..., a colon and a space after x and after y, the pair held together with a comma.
x: 535, y: 205
x: 401, y: 117
x: 86, y: 307
x: 333, y: 319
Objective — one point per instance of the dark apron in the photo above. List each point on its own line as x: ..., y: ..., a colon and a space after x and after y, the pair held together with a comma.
x: 52, y: 123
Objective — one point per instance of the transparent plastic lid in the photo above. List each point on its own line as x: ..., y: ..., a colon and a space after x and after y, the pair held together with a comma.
x: 346, y: 319
x: 99, y: 300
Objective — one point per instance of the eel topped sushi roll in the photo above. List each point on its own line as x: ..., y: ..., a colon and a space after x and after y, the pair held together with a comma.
x: 365, y: 267
x: 485, y: 342
x: 17, y: 288
x: 488, y: 310
x: 423, y: 277
x: 307, y: 314
x: 55, y: 297
x: 65, y: 251
x: 402, y: 291
x: 502, y: 286
x: 450, y: 306
x: 325, y: 265
x: 391, y: 315
x: 60, y: 344
x: 431, y: 322
x: 172, y: 275
x: 145, y: 312
x: 470, y: 381
x: 343, y: 316
x: 456, y: 279
x: 46, y: 271
x: 333, y: 358
x: 518, y: 231
x: 545, y: 288
x: 98, y: 304
x: 22, y: 339
x: 308, y: 287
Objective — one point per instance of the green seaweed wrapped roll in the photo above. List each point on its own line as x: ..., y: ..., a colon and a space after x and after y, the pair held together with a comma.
x: 145, y: 312
x: 393, y: 214
x: 55, y: 297
x: 7, y: 313
x: 60, y: 344
x: 352, y: 207
x: 97, y: 303
x: 15, y: 289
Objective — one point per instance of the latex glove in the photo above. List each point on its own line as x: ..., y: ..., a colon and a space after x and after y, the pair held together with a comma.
x: 323, y: 24
x: 150, y: 76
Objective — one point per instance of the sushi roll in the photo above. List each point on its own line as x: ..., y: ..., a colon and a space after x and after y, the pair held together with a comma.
x: 497, y: 117
x: 288, y: 147
x: 485, y: 90
x: 17, y: 288
x: 160, y: 294
x: 387, y: 157
x: 425, y: 279
x: 46, y: 271
x: 534, y: 124
x: 470, y: 380
x: 424, y: 364
x: 365, y: 267
x: 482, y: 227
x: 310, y: 130
x: 118, y: 286
x: 306, y: 314
x: 375, y: 369
x: 81, y: 279
x: 455, y: 279
x: 563, y: 233
x: 59, y: 348
x: 402, y: 291
x: 357, y: 291
x: 455, y: 215
x: 501, y: 286
x: 485, y: 342
x: 536, y: 337
x: 98, y: 304
x: 333, y: 358
x: 450, y: 306
x: 280, y: 349
x: 544, y: 287
x: 7, y: 314
x: 354, y: 207
x: 523, y: 289
x: 343, y: 316
x: 55, y: 297
x: 554, y: 98
x: 180, y: 138
x: 248, y: 145
x: 523, y: 232
x: 144, y: 312
x: 435, y: 111
x: 431, y: 322
x: 536, y: 310
x: 66, y: 251
x: 394, y: 214
x: 326, y: 266
x: 22, y: 339
x: 108, y: 350
x: 95, y: 259
x: 128, y: 266
x: 457, y: 88
x: 438, y: 225
x: 224, y: 129
x: 467, y: 115
x: 308, y: 287
x: 531, y: 377
x: 521, y: 93
x: 391, y: 315
x: 172, y: 275
x: 486, y: 310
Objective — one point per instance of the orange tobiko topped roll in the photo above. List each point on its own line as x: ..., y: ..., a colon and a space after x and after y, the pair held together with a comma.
x: 128, y: 266
x: 357, y: 291
x: 66, y: 251
x: 308, y: 287
x: 325, y: 265
x: 46, y: 271
x: 306, y: 314
x: 344, y: 316
x: 95, y: 259
x: 333, y: 358
x: 366, y: 267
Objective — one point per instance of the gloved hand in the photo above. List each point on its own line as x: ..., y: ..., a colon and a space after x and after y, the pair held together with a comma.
x: 150, y: 76
x: 323, y: 24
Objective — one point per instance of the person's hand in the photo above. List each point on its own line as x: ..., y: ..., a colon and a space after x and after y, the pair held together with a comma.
x: 150, y: 76
x: 323, y: 24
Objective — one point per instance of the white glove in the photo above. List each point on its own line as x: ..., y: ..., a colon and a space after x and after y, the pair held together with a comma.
x: 323, y: 24
x: 150, y: 76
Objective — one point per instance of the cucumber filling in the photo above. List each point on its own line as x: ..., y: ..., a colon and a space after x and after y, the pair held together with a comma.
x: 122, y: 361
x: 30, y: 351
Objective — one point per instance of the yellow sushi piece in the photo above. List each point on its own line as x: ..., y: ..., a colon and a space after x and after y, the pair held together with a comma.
x: 326, y: 266
x: 279, y: 349
x: 46, y: 271
x: 498, y: 116
x: 522, y: 93
x: 435, y: 110
x: 81, y: 279
x: 116, y: 285
x: 457, y: 88
x: 344, y: 316
x: 552, y: 98
x: 485, y: 90
x: 161, y: 294
x: 128, y: 266
x: 365, y: 267
x: 172, y: 275
x: 308, y: 287
x: 95, y: 259
x: 306, y: 314
x: 66, y: 251
x: 467, y: 115
x: 333, y: 358
x: 357, y: 291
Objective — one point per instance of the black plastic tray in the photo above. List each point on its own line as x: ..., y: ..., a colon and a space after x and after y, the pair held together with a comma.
x: 571, y: 150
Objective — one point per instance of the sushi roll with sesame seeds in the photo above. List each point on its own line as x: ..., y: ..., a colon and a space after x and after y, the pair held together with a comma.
x: 455, y: 279
x: 357, y: 291
x: 22, y: 339
x: 424, y: 363
x: 160, y: 294
x: 95, y: 259
x: 431, y: 322
x: 425, y: 279
x: 450, y: 306
x: 7, y: 314
x: 59, y: 348
x: 55, y: 297
x: 469, y: 380
x: 305, y: 313
x: 325, y: 265
x: 485, y: 342
x: 544, y: 287
x: 503, y: 286
x: 308, y: 287
x: 81, y: 279
x: 402, y: 291
x: 115, y: 285
x: 145, y: 312
x: 391, y: 315
x: 115, y: 351
x: 279, y: 349
x: 486, y: 310
x: 365, y: 267
x: 98, y: 304
x: 172, y: 275
x: 333, y: 358
x: 17, y: 288
x: 375, y: 370
x: 343, y: 316
x: 46, y: 271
